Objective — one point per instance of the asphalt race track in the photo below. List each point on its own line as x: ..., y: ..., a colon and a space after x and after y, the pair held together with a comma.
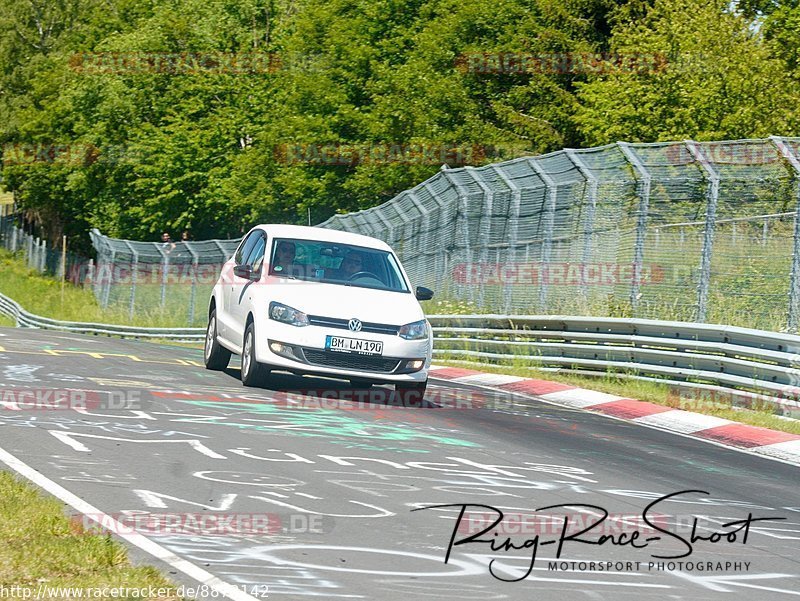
x: 282, y: 492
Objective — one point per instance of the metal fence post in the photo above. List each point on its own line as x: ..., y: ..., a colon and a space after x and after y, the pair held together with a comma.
x: 588, y: 223
x: 484, y: 226
x: 108, y: 277
x: 134, y: 276
x: 43, y: 257
x: 794, y: 277
x: 551, y: 197
x: 89, y: 275
x: 641, y: 222
x: 96, y: 274
x: 513, y: 229
x: 462, y: 225
x: 712, y: 195
x: 423, y: 246
x: 193, y: 293
x: 164, y: 277
x: 439, y: 268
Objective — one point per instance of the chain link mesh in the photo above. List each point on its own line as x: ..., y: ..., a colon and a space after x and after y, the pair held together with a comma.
x: 692, y: 231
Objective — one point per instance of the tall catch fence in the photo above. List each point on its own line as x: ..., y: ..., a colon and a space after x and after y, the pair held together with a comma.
x: 146, y: 277
x: 685, y: 231
x: 140, y: 278
x: 40, y: 256
x: 682, y: 231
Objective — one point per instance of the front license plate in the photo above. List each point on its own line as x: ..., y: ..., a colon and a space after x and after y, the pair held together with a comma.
x: 353, y: 345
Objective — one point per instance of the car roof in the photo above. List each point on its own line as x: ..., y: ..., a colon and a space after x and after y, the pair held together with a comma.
x: 303, y: 232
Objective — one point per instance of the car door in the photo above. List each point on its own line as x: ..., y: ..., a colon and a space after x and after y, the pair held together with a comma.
x: 239, y: 299
x: 232, y: 286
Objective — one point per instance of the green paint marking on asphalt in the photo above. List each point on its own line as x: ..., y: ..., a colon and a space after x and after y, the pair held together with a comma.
x: 322, y: 422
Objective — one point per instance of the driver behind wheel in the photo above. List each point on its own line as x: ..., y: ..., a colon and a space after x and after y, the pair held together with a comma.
x: 351, y: 264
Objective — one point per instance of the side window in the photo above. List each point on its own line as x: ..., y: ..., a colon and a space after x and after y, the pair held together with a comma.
x: 246, y: 247
x: 256, y: 257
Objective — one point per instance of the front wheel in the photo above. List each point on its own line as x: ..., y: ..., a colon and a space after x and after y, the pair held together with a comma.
x: 411, y: 394
x: 253, y: 373
x: 215, y: 355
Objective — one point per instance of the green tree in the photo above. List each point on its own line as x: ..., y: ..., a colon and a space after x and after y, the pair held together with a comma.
x: 718, y: 79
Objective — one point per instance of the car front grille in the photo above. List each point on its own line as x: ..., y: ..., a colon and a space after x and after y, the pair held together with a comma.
x: 341, y: 324
x: 384, y: 365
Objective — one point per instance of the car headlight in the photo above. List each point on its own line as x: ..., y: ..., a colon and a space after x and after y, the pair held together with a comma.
x: 289, y: 315
x: 414, y: 331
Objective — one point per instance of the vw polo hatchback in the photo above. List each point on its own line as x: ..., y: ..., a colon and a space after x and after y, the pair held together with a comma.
x: 314, y: 301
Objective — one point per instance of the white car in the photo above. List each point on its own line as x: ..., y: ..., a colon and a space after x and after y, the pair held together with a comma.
x: 315, y: 301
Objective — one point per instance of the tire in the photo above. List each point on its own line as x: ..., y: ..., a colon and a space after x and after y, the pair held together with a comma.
x: 411, y: 394
x: 215, y: 355
x: 253, y: 373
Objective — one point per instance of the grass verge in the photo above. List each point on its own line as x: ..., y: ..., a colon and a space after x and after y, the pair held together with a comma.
x: 41, y: 546
x: 643, y: 390
x: 43, y: 296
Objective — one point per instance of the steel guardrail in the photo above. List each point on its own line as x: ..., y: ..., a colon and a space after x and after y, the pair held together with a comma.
x: 25, y: 319
x: 749, y: 366
x: 744, y: 366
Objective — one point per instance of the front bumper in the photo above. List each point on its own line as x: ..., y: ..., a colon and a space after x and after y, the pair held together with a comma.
x: 302, y: 351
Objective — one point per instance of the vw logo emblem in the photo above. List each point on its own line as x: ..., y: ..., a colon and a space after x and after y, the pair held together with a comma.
x: 354, y: 325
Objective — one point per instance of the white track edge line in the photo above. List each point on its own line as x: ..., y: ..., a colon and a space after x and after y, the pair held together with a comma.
x: 134, y: 538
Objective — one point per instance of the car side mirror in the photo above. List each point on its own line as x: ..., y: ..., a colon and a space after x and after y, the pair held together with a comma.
x: 423, y: 293
x: 243, y: 271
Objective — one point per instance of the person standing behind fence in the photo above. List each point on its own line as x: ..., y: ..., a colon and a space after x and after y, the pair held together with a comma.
x: 166, y: 242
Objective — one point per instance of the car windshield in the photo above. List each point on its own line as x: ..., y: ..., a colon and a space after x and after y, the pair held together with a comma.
x: 343, y: 264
